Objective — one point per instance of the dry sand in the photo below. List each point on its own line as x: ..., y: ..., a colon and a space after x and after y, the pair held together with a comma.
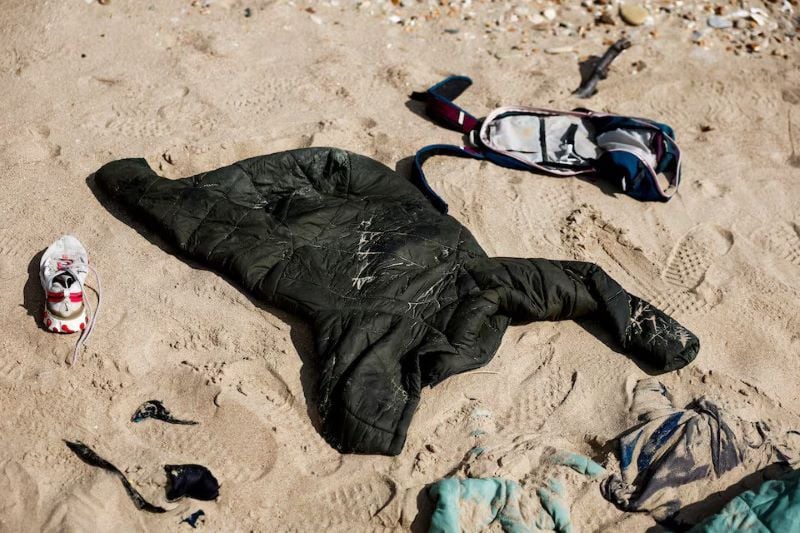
x: 203, y: 86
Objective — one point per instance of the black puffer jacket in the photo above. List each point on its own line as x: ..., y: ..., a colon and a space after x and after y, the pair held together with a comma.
x: 399, y: 295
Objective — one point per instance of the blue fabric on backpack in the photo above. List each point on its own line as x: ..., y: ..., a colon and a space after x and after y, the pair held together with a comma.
x: 630, y: 172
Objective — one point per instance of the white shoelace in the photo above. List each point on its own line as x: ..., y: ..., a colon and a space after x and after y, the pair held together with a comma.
x: 92, y: 320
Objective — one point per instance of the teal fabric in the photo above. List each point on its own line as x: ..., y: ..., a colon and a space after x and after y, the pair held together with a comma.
x: 579, y: 463
x: 552, y: 499
x: 773, y: 508
x: 475, y: 504
x: 495, y: 500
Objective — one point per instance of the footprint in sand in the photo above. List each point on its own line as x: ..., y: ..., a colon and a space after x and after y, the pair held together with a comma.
x: 223, y: 425
x: 178, y: 110
x: 365, y: 501
x: 32, y: 146
x: 709, y: 189
x: 133, y: 119
x: 791, y: 95
x: 10, y: 369
x: 95, y: 507
x: 540, y: 395
x: 694, y: 254
x: 259, y: 100
x: 535, y: 199
x: 722, y: 102
x: 269, y: 394
x: 19, y: 505
x: 677, y: 286
x: 782, y: 239
x: 397, y: 76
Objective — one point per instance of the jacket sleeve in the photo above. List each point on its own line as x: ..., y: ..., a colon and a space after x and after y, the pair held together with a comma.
x: 538, y: 289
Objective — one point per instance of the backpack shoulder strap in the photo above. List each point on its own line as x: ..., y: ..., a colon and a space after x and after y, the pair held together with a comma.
x: 418, y: 176
x: 439, y: 104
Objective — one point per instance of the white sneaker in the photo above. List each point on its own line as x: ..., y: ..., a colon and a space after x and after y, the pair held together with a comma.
x: 62, y: 272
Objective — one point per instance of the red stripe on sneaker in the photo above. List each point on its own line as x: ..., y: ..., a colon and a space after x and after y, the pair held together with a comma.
x: 55, y: 297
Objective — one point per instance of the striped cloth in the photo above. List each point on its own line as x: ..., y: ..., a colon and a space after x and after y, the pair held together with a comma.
x: 668, y: 461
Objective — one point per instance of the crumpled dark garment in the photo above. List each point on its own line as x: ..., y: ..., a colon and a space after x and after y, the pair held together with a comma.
x: 91, y: 458
x: 670, y: 460
x: 194, y: 481
x: 399, y: 296
x: 155, y: 409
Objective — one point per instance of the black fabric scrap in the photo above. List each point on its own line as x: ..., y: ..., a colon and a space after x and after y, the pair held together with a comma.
x: 156, y: 409
x: 193, y: 518
x: 91, y: 458
x: 194, y: 481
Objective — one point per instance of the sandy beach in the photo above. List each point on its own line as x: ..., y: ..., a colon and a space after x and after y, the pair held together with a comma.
x: 193, y: 86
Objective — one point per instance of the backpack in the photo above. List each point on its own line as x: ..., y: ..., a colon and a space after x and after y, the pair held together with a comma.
x: 637, y: 155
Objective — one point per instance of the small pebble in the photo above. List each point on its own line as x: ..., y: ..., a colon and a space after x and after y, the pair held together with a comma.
x: 538, y: 21
x: 633, y: 14
x: 758, y: 15
x: 549, y: 13
x: 248, y: 12
x: 606, y: 18
x: 719, y: 23
x: 559, y: 50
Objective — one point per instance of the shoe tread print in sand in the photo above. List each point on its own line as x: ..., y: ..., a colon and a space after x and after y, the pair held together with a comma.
x: 367, y: 503
x: 677, y: 286
x: 781, y: 239
x: 541, y: 394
